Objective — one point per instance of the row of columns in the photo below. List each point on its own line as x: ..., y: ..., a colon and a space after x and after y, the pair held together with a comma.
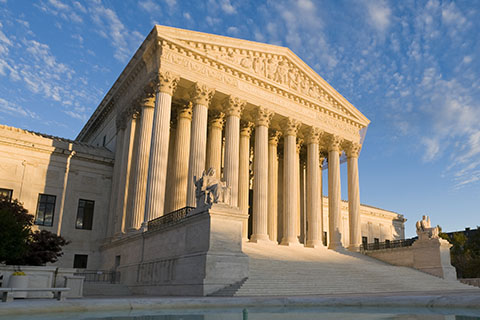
x: 192, y: 153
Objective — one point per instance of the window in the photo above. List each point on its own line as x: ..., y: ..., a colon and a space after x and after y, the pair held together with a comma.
x: 84, y: 214
x: 45, y: 210
x: 364, y: 241
x: 80, y: 261
x: 6, y: 193
x: 324, y: 238
x: 104, y: 141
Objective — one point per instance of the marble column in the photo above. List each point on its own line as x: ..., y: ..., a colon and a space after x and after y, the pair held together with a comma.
x: 334, y: 193
x: 244, y: 172
x: 290, y: 194
x: 260, y: 176
x: 157, y: 169
x: 181, y: 151
x: 352, y: 151
x: 298, y: 181
x: 201, y: 96
x: 141, y: 168
x: 123, y: 186
x: 214, y: 142
x: 314, y: 185
x: 121, y: 126
x: 233, y: 108
x: 273, y: 185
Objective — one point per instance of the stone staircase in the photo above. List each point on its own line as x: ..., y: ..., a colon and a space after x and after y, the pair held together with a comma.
x: 279, y: 270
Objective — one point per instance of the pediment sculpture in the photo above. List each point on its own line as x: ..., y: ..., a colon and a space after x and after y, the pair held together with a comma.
x: 425, y: 230
x: 209, y: 190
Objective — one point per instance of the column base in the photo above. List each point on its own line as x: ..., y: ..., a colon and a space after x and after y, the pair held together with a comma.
x: 260, y: 238
x: 291, y: 242
x: 336, y: 246
x: 314, y: 244
x: 354, y: 248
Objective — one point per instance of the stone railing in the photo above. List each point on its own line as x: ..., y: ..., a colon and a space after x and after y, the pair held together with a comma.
x: 169, y: 219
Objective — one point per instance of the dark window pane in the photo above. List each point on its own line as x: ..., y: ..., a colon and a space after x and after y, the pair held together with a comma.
x: 80, y: 261
x: 85, y: 214
x: 45, y: 210
x: 6, y: 193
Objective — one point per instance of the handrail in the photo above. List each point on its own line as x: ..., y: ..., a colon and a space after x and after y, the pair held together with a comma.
x: 169, y: 219
x: 387, y: 244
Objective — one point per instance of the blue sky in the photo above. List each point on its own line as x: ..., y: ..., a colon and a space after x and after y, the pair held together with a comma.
x: 412, y: 67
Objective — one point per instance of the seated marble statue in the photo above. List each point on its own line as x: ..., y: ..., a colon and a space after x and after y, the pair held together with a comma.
x: 209, y: 190
x: 425, y: 230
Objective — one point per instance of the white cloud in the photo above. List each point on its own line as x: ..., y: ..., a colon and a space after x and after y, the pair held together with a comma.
x: 233, y: 31
x: 187, y: 16
x: 379, y: 15
x: 432, y: 148
x: 227, y: 7
x: 149, y: 6
x: 15, y: 110
x: 171, y: 3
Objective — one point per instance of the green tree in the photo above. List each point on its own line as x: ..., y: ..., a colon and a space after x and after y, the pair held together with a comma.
x: 20, y: 245
x: 465, y: 253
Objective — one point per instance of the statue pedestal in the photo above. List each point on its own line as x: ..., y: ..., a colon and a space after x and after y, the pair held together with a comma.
x: 432, y: 255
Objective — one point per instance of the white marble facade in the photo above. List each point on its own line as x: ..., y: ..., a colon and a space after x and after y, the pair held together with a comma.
x: 188, y: 101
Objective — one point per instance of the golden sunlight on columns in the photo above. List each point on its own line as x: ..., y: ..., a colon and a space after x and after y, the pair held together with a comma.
x: 181, y: 151
x: 244, y: 172
x: 298, y: 181
x: 273, y: 184
x: 214, y: 142
x: 141, y: 169
x: 201, y: 96
x: 129, y: 134
x: 260, y: 176
x: 157, y: 169
x: 334, y: 193
x: 314, y: 185
x: 233, y: 108
x: 352, y: 151
x: 290, y: 193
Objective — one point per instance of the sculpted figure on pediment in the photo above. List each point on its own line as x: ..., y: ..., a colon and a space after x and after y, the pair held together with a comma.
x: 246, y: 62
x: 258, y: 64
x: 282, y: 71
x: 271, y: 68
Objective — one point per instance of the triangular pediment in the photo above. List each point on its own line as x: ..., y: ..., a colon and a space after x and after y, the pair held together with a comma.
x: 275, y: 64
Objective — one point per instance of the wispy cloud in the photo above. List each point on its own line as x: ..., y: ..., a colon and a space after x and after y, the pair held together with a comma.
x: 379, y: 14
x: 12, y: 109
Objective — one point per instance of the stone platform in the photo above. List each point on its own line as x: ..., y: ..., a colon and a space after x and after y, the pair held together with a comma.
x: 288, y: 271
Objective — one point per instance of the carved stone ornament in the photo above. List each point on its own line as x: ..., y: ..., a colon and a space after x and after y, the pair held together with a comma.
x: 147, y: 100
x: 209, y: 190
x: 313, y: 135
x: 167, y: 82
x: 299, y: 145
x: 216, y: 119
x: 425, y: 230
x: 185, y: 112
x: 233, y: 106
x: 291, y: 127
x: 334, y: 142
x: 274, y: 137
x: 352, y: 149
x: 201, y: 94
x: 246, y: 128
x: 263, y: 117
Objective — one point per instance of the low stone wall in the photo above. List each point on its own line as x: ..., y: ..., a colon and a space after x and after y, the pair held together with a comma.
x: 431, y: 256
x: 195, y: 257
x: 45, y: 277
x: 471, y: 281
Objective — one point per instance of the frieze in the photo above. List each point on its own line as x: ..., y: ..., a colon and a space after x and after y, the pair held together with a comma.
x: 204, y: 65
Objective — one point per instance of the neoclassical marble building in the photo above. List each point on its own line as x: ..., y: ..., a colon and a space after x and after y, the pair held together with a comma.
x: 186, y: 102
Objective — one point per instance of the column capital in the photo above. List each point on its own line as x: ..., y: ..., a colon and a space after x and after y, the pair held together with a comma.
x: 147, y: 100
x: 299, y: 145
x: 185, y: 111
x: 216, y: 119
x: 352, y: 149
x: 246, y: 128
x: 166, y: 82
x: 121, y: 121
x: 263, y: 117
x: 274, y: 137
x: 233, y: 106
x: 291, y: 127
x: 313, y: 135
x: 201, y: 94
x: 333, y: 142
